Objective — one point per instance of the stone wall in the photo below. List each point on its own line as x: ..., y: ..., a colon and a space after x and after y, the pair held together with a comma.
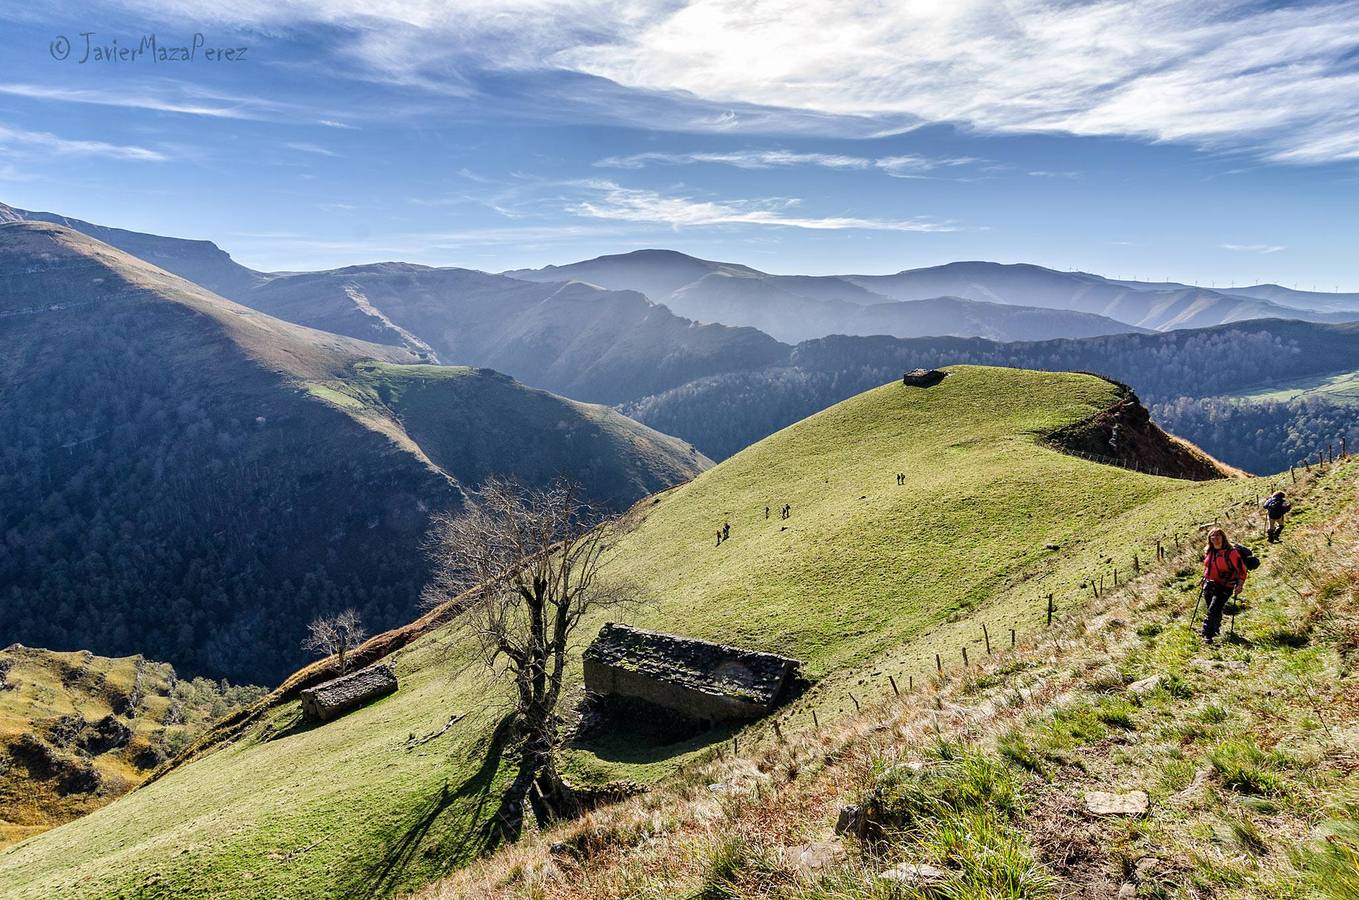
x: 702, y: 680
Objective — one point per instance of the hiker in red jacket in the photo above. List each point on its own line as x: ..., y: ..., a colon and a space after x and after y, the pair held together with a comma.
x: 1224, y: 574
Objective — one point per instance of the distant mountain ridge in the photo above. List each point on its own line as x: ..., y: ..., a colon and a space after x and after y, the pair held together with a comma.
x: 781, y: 304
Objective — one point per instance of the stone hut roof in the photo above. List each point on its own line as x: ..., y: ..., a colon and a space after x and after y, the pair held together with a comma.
x: 334, y: 698
x: 701, y: 679
x: 923, y: 377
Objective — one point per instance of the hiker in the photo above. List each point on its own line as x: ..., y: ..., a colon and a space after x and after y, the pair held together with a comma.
x: 766, y: 512
x: 1224, y: 574
x: 726, y: 530
x: 719, y: 537
x: 1275, y: 509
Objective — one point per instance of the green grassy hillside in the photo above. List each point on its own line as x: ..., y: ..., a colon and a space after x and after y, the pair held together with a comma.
x: 78, y: 730
x: 866, y: 578
x: 1341, y: 387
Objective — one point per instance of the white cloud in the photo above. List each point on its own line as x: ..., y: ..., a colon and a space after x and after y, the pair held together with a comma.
x: 613, y: 201
x: 215, y: 106
x: 46, y: 142
x: 741, y: 159
x: 303, y: 147
x: 1255, y: 248
x: 1277, y: 80
x: 896, y: 166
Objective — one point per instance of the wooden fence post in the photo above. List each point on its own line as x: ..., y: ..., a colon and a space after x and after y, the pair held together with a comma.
x: 964, y: 657
x: 1012, y: 638
x: 986, y: 636
x: 938, y: 664
x: 895, y: 692
x: 1049, y: 609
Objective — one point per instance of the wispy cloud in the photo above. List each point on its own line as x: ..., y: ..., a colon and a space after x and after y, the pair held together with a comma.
x: 1255, y: 248
x: 182, y: 99
x: 303, y: 147
x: 896, y: 166
x: 46, y: 142
x: 1275, y: 79
x: 613, y: 201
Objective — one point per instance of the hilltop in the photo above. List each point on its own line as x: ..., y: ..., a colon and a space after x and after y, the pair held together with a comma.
x: 195, y: 480
x: 866, y: 578
x: 79, y: 730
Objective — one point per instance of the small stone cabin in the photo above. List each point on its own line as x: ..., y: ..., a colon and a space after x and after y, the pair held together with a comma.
x: 332, y: 699
x: 703, y: 681
x: 923, y: 377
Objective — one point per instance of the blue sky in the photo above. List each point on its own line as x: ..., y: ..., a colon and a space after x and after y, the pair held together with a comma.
x: 1208, y: 141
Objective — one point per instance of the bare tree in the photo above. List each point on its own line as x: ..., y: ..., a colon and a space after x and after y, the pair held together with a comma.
x: 527, y: 563
x: 335, y: 636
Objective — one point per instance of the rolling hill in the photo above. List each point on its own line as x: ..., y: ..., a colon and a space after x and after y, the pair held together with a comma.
x: 186, y: 477
x: 867, y: 577
x: 795, y: 308
x: 79, y: 730
x: 1183, y: 368
x: 1078, y: 304
x: 1159, y: 308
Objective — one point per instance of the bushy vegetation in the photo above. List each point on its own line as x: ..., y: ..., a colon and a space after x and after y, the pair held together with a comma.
x: 78, y: 730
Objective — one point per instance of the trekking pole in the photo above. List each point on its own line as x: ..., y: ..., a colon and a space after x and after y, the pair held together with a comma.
x: 1197, y: 601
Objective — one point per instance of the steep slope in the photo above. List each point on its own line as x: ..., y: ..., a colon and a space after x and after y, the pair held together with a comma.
x: 202, y: 262
x: 189, y: 478
x: 1028, y: 285
x: 762, y: 303
x: 993, y: 778
x: 866, y: 577
x: 78, y: 730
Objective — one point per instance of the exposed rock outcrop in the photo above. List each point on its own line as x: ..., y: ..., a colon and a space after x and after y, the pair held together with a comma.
x: 338, y: 696
x: 1124, y: 435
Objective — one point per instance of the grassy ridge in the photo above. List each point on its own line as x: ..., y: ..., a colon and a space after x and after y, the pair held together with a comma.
x: 866, y: 578
x: 1245, y: 750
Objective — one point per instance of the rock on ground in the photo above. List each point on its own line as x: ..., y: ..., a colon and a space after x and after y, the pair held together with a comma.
x: 1103, y: 803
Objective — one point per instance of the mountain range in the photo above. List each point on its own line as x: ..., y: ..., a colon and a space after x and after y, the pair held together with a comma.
x: 192, y: 478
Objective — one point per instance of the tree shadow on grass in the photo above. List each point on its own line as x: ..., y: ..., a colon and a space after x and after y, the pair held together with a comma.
x: 408, y: 844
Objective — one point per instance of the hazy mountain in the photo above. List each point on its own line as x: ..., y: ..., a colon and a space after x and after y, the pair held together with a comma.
x: 1157, y: 307
x: 187, y: 477
x: 765, y: 304
x: 202, y: 262
x: 1301, y: 299
x: 796, y: 308
x: 576, y: 339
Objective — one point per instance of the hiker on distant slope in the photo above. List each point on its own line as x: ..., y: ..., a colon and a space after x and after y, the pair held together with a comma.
x: 1276, y: 507
x: 1224, y: 574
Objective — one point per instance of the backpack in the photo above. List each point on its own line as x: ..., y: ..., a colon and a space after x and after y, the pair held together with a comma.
x: 1277, y: 506
x: 1249, y: 559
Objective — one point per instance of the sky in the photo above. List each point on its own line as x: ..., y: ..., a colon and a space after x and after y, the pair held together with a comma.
x: 1207, y: 142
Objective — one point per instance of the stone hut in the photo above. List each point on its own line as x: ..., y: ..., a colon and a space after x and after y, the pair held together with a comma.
x: 703, y: 681
x: 332, y: 699
x: 923, y: 377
